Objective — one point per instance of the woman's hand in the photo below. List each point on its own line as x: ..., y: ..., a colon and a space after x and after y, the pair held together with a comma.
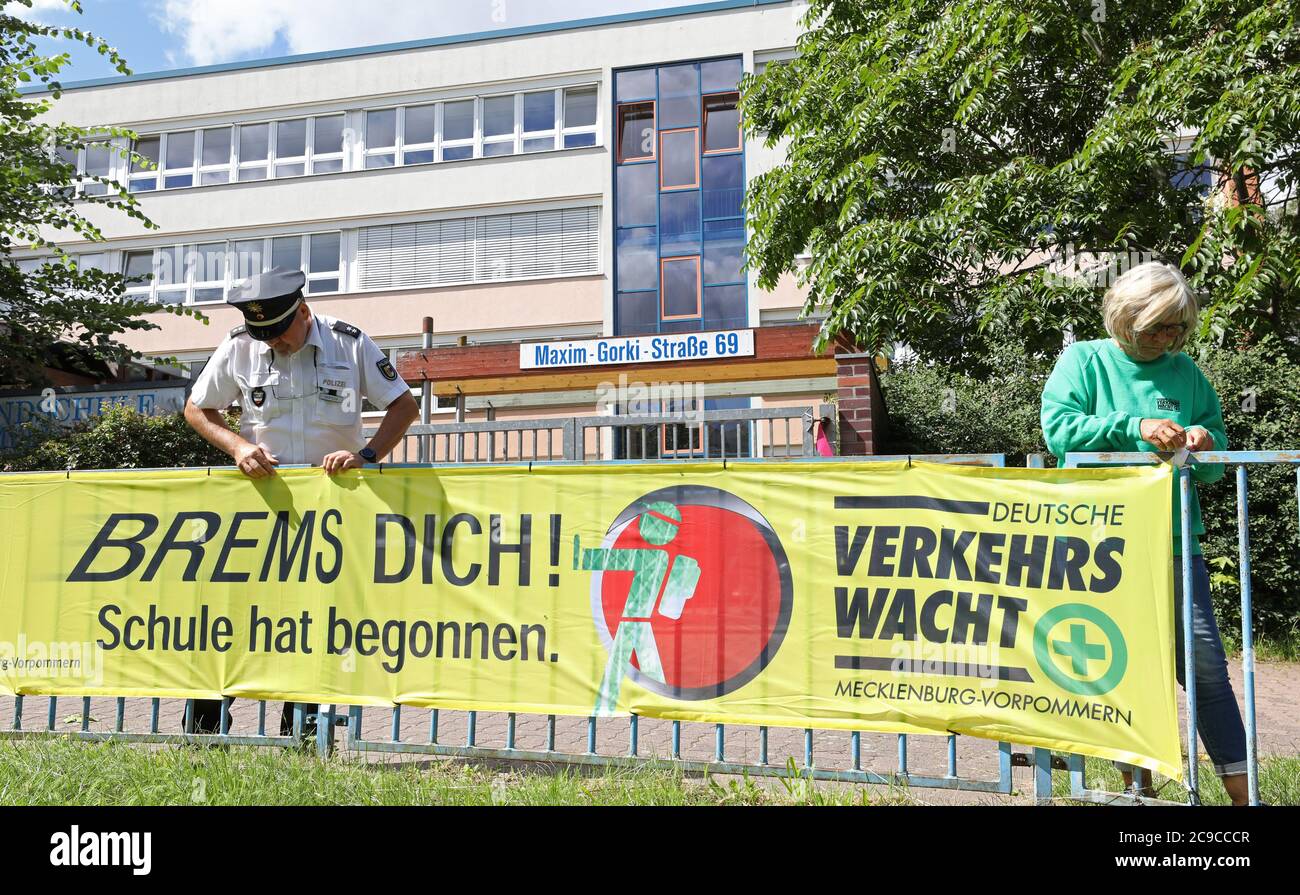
x: 1166, y: 435
x: 1199, y: 439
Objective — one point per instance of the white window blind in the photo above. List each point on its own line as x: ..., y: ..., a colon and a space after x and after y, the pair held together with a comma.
x: 482, y: 249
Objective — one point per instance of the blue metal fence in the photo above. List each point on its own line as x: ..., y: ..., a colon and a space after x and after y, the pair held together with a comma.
x: 809, y: 767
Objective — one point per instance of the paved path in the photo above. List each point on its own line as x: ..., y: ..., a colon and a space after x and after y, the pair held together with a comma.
x: 1277, y: 698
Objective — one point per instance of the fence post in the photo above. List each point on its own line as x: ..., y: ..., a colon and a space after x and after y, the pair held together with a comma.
x: 1247, y: 637
x: 1189, y: 640
x: 571, y: 439
x: 426, y: 394
x: 1042, y: 776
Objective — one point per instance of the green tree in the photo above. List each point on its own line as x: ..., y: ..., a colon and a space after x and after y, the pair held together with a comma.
x: 943, y: 155
x: 86, y: 309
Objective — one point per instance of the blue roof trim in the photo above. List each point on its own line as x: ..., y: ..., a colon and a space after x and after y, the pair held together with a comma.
x: 447, y: 40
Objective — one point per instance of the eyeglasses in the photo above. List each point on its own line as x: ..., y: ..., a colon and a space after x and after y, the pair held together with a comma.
x: 1164, y: 329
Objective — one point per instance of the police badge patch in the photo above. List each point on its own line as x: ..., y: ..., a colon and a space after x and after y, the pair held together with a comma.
x: 387, y: 369
x: 258, y: 395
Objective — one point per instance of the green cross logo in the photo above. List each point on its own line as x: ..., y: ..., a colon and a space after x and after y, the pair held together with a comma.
x: 1084, y: 652
x: 1079, y: 650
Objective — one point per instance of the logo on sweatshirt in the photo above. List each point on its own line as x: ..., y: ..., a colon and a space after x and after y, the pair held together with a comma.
x: 1170, y: 404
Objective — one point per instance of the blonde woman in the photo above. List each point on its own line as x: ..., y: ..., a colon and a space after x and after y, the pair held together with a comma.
x: 1138, y: 391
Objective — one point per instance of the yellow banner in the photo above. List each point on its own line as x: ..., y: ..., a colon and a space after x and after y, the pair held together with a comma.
x: 1033, y: 606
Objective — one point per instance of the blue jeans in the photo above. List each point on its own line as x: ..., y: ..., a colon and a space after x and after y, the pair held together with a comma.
x: 1218, y: 720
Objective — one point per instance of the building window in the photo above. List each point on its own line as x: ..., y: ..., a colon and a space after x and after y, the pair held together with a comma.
x: 419, y: 135
x: 327, y: 144
x: 144, y: 174
x: 679, y: 159
x: 638, y: 195
x: 579, y: 117
x: 499, y: 125
x: 216, y: 155
x: 178, y: 160
x: 381, y: 138
x: 638, y: 259
x: 679, y: 96
x: 169, y: 275
x: 247, y: 258
x: 137, y: 267
x: 536, y: 121
x: 458, y: 130
x: 680, y: 229
x: 254, y: 151
x: 207, y: 272
x: 724, y: 186
x: 722, y: 122
x: 98, y: 163
x: 323, y: 263
x: 539, y: 121
x: 203, y: 273
x: 679, y: 288
x: 636, y: 84
x: 724, y: 246
x: 291, y: 148
x: 560, y: 242
x: 93, y: 261
x: 636, y: 132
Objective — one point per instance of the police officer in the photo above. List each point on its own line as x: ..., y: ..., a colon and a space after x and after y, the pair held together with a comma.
x: 300, y: 379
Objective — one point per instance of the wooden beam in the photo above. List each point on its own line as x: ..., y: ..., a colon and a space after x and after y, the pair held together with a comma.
x: 591, y: 377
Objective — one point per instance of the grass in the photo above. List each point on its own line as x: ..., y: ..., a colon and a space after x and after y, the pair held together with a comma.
x: 66, y: 771
x: 63, y: 771
x: 1279, y: 782
x: 1267, y: 649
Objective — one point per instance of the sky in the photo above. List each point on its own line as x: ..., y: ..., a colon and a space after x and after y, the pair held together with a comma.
x: 157, y: 35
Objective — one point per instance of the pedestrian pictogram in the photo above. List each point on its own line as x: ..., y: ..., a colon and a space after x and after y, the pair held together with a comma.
x: 691, y: 594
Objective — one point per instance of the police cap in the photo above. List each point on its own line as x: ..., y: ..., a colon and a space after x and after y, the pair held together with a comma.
x: 268, y: 301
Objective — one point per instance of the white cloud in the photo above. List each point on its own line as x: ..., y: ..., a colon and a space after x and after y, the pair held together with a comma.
x: 41, y: 12
x: 212, y: 32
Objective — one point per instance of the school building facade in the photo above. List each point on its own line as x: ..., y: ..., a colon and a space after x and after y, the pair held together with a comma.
x: 565, y: 203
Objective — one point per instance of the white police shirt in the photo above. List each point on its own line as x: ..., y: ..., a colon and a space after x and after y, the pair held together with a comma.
x: 302, y: 406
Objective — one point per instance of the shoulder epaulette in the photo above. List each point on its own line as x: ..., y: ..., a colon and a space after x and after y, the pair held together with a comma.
x: 346, y: 328
x: 238, y: 331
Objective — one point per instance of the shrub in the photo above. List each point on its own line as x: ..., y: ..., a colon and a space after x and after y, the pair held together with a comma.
x: 120, y: 438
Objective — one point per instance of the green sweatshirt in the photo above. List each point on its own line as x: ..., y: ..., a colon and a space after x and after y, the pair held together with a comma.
x: 1097, y: 397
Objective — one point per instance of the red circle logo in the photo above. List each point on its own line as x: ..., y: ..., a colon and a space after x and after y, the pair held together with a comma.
x: 707, y: 574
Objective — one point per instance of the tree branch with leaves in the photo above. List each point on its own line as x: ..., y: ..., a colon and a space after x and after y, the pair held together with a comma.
x: 41, y: 208
x: 941, y: 156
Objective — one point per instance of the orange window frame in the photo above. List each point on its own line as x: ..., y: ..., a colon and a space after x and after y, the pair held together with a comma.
x: 699, y: 309
x: 695, y: 159
x: 704, y: 117
x: 654, y: 144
